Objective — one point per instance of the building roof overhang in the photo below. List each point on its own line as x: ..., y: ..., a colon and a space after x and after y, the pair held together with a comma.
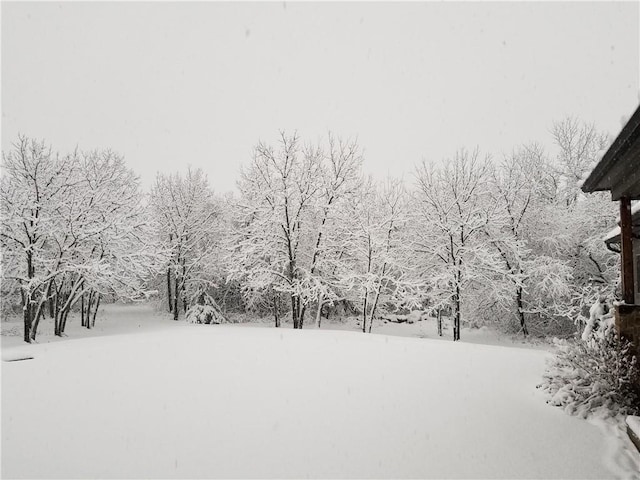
x: 618, y: 171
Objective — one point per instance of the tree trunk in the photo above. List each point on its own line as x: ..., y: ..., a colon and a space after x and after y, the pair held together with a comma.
x: 456, y: 315
x: 39, y: 313
x: 275, y: 310
x: 89, y: 306
x: 301, y: 311
x: 523, y: 325
x: 183, y: 287
x: 319, y: 312
x: 82, y: 315
x: 72, y: 298
x: 456, y: 302
x: 169, y: 293
x: 50, y: 298
x: 364, y: 312
x: 375, y: 304
x: 26, y: 311
x: 366, y: 291
x: 27, y: 308
x: 439, y: 322
x: 63, y: 325
x: 176, y: 292
x: 294, y: 313
x: 60, y: 300
x: 36, y: 322
x: 95, y: 311
x: 56, y: 316
x: 175, y: 306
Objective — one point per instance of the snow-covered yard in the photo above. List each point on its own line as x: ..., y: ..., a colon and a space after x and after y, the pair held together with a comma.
x: 202, y: 401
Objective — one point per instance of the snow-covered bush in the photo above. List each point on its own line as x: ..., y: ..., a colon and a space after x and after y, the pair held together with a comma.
x: 597, y: 375
x: 206, y: 311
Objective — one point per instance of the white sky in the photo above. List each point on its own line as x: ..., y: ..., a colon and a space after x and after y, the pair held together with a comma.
x: 172, y: 84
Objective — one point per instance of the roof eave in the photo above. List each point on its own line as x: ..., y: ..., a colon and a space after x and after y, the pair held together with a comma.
x: 597, y: 179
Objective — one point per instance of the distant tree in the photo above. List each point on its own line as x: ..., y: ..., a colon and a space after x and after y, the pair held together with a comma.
x: 377, y: 264
x: 340, y: 182
x: 579, y: 147
x: 186, y: 213
x: 249, y: 257
x: 585, y: 218
x: 517, y: 185
x: 455, y: 206
x: 288, y: 202
x: 277, y: 189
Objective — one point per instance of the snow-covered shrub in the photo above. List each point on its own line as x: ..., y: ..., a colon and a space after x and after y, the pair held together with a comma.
x: 206, y: 311
x: 596, y: 375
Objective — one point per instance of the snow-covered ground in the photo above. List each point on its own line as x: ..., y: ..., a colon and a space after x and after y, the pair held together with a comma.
x: 203, y: 401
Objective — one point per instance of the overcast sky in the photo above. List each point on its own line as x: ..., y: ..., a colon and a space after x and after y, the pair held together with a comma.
x: 172, y: 84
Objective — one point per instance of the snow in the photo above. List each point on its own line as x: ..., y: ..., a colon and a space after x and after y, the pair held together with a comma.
x: 182, y: 400
x: 596, y: 312
x: 634, y: 424
x: 611, y: 234
x: 615, y: 232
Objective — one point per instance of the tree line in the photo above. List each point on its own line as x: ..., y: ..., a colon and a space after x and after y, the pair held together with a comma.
x: 509, y: 241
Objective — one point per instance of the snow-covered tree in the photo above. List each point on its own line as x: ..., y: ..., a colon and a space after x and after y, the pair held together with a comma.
x: 519, y: 184
x: 186, y: 213
x: 71, y: 224
x: 376, y: 265
x: 585, y: 219
x: 340, y: 183
x: 277, y: 189
x: 454, y: 207
x: 549, y: 235
x: 35, y: 182
x: 102, y: 245
x: 580, y: 146
x: 289, y: 197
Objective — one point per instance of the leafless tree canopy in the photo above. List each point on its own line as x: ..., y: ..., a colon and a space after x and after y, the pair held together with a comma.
x: 502, y: 239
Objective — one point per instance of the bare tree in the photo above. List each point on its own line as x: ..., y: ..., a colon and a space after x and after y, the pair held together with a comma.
x: 185, y: 211
x: 289, y: 197
x: 455, y: 207
x: 35, y: 182
x: 376, y: 264
x: 516, y: 182
x: 580, y: 145
x: 341, y: 180
x: 73, y: 229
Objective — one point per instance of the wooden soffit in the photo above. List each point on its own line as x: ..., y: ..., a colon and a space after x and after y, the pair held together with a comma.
x: 619, y: 168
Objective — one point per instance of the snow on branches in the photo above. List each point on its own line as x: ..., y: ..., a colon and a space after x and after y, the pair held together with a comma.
x: 376, y: 272
x: 454, y: 209
x: 73, y: 228
x: 511, y: 242
x: 186, y: 214
x: 287, y: 209
x: 598, y: 375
